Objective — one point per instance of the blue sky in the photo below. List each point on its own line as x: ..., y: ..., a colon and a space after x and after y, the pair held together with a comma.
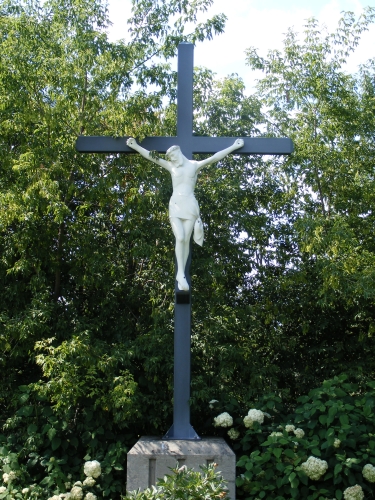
x: 261, y: 24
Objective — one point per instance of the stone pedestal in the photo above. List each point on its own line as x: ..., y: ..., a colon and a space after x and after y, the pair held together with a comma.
x: 151, y: 457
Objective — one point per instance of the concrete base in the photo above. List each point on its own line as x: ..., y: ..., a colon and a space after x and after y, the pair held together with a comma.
x: 151, y: 457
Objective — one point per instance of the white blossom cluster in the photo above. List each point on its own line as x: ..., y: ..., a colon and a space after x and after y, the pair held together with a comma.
x: 354, y: 493
x: 76, y: 493
x: 92, y: 469
x: 290, y: 428
x: 212, y: 402
x: 233, y: 434
x: 2, y: 489
x: 299, y: 433
x: 368, y: 473
x: 90, y: 496
x: 336, y: 443
x: 223, y: 420
x: 314, y: 468
x: 253, y: 416
x: 89, y: 481
x: 276, y: 434
x: 9, y: 477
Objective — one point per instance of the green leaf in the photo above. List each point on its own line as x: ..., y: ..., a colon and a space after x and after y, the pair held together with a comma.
x: 51, y: 433
x: 25, y: 411
x: 277, y: 452
x: 31, y: 429
x: 316, y: 452
x: 344, y: 420
x: 289, y: 453
x: 55, y: 443
x: 323, y: 419
x: 292, y: 476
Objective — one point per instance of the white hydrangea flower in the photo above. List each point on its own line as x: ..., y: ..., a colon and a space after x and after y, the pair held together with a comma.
x: 253, y: 416
x: 78, y: 483
x: 314, y: 468
x: 256, y: 415
x: 212, y: 402
x: 90, y: 496
x: 299, y: 433
x: 336, y: 443
x: 233, y: 434
x: 2, y: 489
x: 92, y: 469
x: 290, y: 428
x: 55, y: 497
x: 76, y: 493
x: 25, y: 490
x: 8, y: 478
x: 354, y: 493
x: 223, y: 420
x: 68, y: 485
x: 276, y: 434
x: 89, y: 481
x: 368, y: 472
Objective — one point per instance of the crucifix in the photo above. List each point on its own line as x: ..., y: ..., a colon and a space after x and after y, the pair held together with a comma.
x: 184, y: 211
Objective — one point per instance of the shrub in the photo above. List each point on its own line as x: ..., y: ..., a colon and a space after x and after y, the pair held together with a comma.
x: 185, y: 483
x: 330, y: 455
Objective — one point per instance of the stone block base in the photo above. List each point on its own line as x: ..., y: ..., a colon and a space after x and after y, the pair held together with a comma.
x: 151, y: 459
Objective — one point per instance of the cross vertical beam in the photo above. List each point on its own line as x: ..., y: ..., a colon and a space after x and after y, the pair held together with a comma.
x: 185, y: 72
x: 181, y: 427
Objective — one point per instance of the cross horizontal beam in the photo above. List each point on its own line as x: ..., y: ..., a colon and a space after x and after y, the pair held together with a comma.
x: 197, y: 144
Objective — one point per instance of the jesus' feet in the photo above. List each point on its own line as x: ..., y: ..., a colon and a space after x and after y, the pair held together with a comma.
x: 182, y: 283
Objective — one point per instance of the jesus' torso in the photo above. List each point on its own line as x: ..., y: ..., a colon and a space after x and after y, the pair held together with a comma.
x: 184, y: 178
x: 183, y: 204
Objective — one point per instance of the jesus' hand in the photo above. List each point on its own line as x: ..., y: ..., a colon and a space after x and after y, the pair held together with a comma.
x: 238, y: 143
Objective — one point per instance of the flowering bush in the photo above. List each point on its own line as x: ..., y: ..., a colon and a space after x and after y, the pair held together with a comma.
x: 233, y: 434
x: 299, y: 433
x: 354, y: 493
x: 90, y: 496
x: 223, y: 420
x: 89, y: 481
x: 368, y: 473
x: 326, y: 447
x: 76, y: 493
x: 314, y: 468
x: 92, y: 469
x: 253, y: 416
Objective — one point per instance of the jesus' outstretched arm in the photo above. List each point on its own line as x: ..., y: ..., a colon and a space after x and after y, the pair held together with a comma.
x: 238, y: 143
x: 132, y: 143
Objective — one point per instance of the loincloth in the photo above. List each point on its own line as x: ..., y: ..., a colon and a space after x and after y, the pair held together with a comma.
x: 186, y: 207
x: 183, y: 207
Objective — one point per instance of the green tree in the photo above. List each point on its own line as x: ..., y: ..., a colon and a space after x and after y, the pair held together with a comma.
x: 317, y: 295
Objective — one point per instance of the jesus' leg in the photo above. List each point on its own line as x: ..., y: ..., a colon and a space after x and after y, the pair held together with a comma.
x: 182, y: 229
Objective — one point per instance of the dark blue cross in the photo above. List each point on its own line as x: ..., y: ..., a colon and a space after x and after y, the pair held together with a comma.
x: 189, y: 144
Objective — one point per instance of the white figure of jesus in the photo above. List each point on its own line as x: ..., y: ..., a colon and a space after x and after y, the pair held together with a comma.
x: 183, y: 206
